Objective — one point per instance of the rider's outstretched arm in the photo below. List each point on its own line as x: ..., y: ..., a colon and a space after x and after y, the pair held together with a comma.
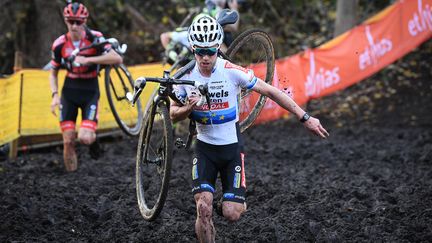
x: 312, y: 124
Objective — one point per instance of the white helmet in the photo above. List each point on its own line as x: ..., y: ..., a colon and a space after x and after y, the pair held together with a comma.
x: 205, y: 32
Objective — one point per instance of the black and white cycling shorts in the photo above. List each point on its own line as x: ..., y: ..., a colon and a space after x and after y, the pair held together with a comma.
x: 228, y: 160
x: 71, y: 101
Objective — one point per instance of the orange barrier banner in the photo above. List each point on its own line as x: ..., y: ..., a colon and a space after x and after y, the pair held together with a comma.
x: 353, y: 56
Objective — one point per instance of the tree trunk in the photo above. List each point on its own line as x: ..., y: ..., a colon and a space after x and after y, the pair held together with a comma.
x: 46, y: 25
x: 346, y: 16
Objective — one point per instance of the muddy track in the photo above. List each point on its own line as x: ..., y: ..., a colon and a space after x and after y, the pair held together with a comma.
x: 371, y: 181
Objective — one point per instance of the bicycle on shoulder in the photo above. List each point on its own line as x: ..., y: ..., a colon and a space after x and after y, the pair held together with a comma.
x: 118, y: 85
x: 156, y: 141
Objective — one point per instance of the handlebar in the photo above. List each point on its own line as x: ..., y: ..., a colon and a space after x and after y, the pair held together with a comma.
x: 141, y: 82
x: 121, y: 49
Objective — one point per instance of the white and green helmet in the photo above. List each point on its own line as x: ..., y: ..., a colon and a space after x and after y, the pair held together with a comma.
x: 205, y: 31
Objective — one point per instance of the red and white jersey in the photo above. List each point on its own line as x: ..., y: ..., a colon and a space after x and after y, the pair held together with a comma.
x: 217, y: 126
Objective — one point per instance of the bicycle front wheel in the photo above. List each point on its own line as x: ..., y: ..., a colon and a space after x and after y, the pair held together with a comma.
x: 253, y: 49
x: 153, y: 163
x: 118, y: 83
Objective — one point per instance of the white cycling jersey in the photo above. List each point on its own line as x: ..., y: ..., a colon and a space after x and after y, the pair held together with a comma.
x: 217, y: 126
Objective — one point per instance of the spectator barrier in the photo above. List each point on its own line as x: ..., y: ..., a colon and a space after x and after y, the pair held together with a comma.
x: 351, y: 57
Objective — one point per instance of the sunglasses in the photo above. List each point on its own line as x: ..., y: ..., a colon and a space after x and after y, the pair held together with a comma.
x: 77, y: 22
x: 205, y: 51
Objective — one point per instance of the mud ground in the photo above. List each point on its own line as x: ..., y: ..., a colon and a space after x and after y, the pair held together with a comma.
x: 371, y: 181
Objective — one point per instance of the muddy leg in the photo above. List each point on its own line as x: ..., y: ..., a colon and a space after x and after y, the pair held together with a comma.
x: 69, y: 154
x: 204, y: 227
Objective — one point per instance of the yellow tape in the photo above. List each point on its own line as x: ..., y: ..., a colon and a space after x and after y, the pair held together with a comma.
x: 36, y: 117
x: 9, y: 108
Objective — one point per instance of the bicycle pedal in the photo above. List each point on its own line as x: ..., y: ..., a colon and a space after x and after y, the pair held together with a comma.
x: 179, y: 143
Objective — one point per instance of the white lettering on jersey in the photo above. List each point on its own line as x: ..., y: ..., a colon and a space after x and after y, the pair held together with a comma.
x: 218, y: 125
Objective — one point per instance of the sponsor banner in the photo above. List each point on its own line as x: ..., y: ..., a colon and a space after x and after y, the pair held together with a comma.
x: 351, y: 57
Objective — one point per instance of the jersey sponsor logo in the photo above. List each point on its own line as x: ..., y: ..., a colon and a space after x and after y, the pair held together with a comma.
x: 92, y: 125
x: 219, y: 94
x: 237, y: 179
x: 207, y: 186
x: 194, y: 172
x: 243, y: 182
x: 228, y: 195
x: 67, y: 125
x: 214, y: 117
x: 233, y: 66
x: 218, y: 106
x: 92, y: 113
x: 216, y: 87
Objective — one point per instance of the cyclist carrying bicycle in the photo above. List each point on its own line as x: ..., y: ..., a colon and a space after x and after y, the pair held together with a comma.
x: 80, y: 89
x: 219, y: 145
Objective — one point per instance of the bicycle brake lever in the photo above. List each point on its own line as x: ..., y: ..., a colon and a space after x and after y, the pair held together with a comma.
x: 203, y: 89
x: 75, y: 52
x: 122, y: 49
x: 71, y: 58
x: 133, y: 98
x: 139, y: 85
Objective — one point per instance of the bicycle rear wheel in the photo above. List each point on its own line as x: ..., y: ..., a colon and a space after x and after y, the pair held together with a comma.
x: 117, y: 84
x: 253, y: 49
x: 153, y: 163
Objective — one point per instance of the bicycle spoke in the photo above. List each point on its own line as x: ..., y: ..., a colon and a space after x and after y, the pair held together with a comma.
x: 118, y: 85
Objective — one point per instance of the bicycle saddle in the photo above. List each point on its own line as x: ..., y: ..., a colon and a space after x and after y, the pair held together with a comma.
x: 227, y: 16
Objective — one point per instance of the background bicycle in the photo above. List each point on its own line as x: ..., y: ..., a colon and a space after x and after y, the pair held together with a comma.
x: 118, y: 84
x: 177, y: 51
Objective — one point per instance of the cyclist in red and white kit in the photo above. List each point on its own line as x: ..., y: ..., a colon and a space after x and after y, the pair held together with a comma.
x: 80, y: 89
x: 219, y: 145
